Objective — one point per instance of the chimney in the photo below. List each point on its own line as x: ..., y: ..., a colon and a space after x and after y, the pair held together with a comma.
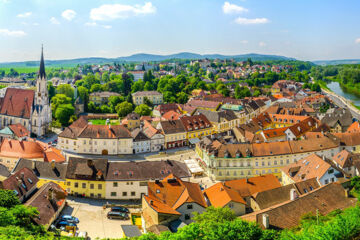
x: 50, y: 194
x: 33, y: 165
x: 265, y: 218
x: 293, y: 194
x: 52, y: 164
x: 22, y: 175
x: 151, y: 202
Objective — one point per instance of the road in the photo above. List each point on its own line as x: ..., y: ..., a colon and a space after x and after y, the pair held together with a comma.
x: 342, y: 102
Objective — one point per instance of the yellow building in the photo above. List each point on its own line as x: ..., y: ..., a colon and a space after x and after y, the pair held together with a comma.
x: 45, y: 171
x: 222, y: 121
x: 174, y: 133
x: 155, y: 97
x: 85, y: 177
x: 197, y: 126
x: 100, y: 98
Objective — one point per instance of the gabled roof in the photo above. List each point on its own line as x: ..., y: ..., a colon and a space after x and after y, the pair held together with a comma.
x: 312, y: 166
x: 17, y: 102
x: 4, y: 171
x: 174, y: 192
x: 94, y: 169
x: 171, y: 115
x: 196, y: 122
x: 249, y: 186
x: 21, y: 149
x: 173, y: 126
x: 48, y: 200
x: 146, y: 93
x: 19, y: 130
x: 220, y: 195
x: 354, y: 127
x: 21, y: 181
x: 139, y: 135
x: 345, y: 158
x: 159, y: 206
x: 48, y: 170
x: 288, y: 214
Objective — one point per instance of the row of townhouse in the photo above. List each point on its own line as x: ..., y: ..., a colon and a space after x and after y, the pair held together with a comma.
x: 230, y: 161
x: 99, y: 178
x: 84, y: 138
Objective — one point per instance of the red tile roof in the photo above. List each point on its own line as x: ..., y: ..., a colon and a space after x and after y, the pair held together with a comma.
x: 19, y: 130
x: 171, y: 115
x: 196, y: 122
x: 219, y: 195
x: 17, y: 102
x: 21, y: 149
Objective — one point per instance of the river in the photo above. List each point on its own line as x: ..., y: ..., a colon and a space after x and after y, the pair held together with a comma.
x: 335, y: 87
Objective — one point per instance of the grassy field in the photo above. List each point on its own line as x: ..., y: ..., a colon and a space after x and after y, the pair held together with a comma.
x: 28, y: 69
x: 103, y: 122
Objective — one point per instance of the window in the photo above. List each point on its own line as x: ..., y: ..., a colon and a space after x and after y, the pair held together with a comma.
x: 113, y: 194
x: 76, y: 185
x: 91, y: 195
x: 187, y: 216
x: 124, y: 194
x: 332, y: 179
x: 68, y: 183
x: 190, y: 206
x: 133, y: 194
x: 331, y: 171
x: 30, y: 181
x: 84, y: 185
x: 99, y: 195
x: 115, y: 184
x: 99, y: 186
x: 91, y: 186
x: 231, y: 205
x: 143, y: 184
x: 256, y: 164
x: 326, y: 181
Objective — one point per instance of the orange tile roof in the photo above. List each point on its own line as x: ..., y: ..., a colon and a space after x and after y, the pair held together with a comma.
x: 21, y: 149
x: 247, y: 187
x: 312, y: 166
x: 159, y: 206
x: 176, y: 192
x: 219, y: 195
x: 19, y: 130
x: 354, y: 127
x: 53, y: 154
x: 171, y: 115
x: 275, y: 133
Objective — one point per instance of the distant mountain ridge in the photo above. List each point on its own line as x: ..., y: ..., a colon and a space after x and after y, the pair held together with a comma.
x: 144, y: 57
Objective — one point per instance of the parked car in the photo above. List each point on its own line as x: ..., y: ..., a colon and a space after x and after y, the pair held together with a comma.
x: 120, y: 209
x: 65, y: 223
x: 69, y: 219
x: 117, y: 215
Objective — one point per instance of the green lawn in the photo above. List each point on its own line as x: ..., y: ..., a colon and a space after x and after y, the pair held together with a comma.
x: 103, y: 121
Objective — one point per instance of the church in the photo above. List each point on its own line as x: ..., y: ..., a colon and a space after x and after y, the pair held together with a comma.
x: 28, y: 107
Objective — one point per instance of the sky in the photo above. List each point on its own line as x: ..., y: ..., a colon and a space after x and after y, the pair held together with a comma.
x: 303, y: 29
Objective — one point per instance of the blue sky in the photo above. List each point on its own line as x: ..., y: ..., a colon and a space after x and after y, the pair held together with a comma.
x: 304, y: 29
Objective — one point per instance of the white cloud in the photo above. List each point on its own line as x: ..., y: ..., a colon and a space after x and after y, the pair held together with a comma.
x: 53, y: 20
x: 68, y: 14
x: 229, y: 8
x: 14, y: 33
x: 357, y: 40
x: 24, y: 15
x: 94, y: 24
x: 247, y: 21
x: 244, y: 41
x: 4, y: 1
x: 115, y: 11
x: 262, y: 44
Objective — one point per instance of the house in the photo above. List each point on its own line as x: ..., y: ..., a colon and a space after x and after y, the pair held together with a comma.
x: 174, y: 132
x: 197, y: 126
x: 299, y: 129
x: 101, y: 98
x: 15, y: 131
x: 272, y: 197
x: 28, y: 107
x: 82, y: 137
x: 130, y: 231
x: 288, y: 214
x: 164, y: 108
x: 155, y: 97
x: 129, y: 180
x: 23, y: 183
x: 204, y: 104
x: 86, y: 177
x: 138, y: 75
x: 132, y: 120
x: 171, y: 115
x: 312, y: 166
x: 157, y: 139
x: 220, y: 195
x: 338, y: 119
x: 141, y: 142
x: 49, y: 200
x: 171, y: 199
x: 345, y: 160
x: 354, y: 127
x: 222, y: 121
x: 45, y: 171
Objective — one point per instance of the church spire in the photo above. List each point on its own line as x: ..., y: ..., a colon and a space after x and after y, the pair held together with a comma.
x: 42, y: 73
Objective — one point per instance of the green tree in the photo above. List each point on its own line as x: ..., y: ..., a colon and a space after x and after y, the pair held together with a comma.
x: 148, y: 102
x: 143, y: 110
x: 63, y: 113
x: 137, y: 86
x: 51, y: 90
x: 148, y: 86
x: 212, y: 214
x: 57, y: 100
x: 105, y: 109
x: 96, y: 88
x: 8, y: 199
x: 127, y: 83
x: 66, y: 89
x: 182, y: 98
x: 124, y: 108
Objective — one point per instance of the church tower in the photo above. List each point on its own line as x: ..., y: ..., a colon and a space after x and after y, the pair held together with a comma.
x: 41, y: 114
x: 42, y: 97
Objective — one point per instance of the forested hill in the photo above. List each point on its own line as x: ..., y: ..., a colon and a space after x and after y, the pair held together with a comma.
x: 143, y: 57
